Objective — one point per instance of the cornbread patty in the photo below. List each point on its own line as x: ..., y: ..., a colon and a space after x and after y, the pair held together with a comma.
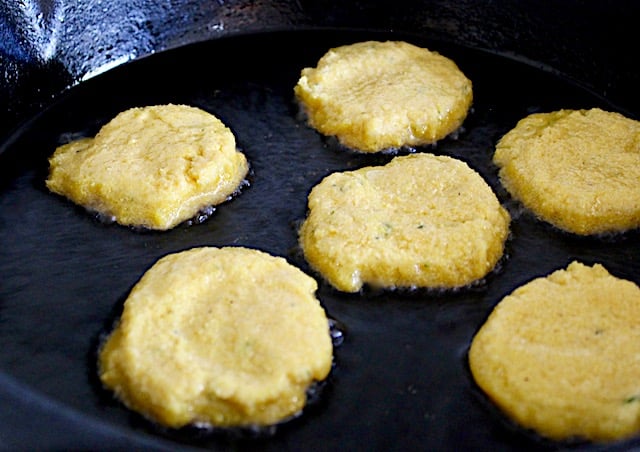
x: 419, y: 221
x: 151, y: 167
x: 561, y: 355
x: 375, y: 95
x: 218, y: 336
x: 576, y: 169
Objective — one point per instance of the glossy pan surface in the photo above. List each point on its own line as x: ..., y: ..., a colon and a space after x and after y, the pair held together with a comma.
x: 400, y: 380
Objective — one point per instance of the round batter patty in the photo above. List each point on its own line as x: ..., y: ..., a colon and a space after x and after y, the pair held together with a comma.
x: 151, y: 167
x: 220, y: 337
x: 375, y: 96
x: 576, y: 169
x: 419, y: 221
x: 561, y: 355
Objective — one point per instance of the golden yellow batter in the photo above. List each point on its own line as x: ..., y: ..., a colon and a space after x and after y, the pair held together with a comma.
x: 152, y: 167
x: 419, y: 221
x: 375, y: 96
x: 218, y: 336
x: 576, y: 169
x: 561, y: 355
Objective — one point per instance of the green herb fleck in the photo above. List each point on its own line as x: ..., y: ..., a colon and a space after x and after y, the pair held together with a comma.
x: 634, y: 398
x: 384, y: 230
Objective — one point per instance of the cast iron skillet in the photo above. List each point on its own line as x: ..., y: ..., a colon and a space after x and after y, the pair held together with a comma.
x: 400, y: 380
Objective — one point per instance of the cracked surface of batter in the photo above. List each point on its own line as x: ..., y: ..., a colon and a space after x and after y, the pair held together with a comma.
x: 419, y: 221
x: 579, y: 170
x: 227, y: 337
x: 151, y: 167
x: 376, y: 96
x: 561, y: 355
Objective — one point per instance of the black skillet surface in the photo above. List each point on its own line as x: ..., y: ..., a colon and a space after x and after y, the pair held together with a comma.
x: 400, y: 380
